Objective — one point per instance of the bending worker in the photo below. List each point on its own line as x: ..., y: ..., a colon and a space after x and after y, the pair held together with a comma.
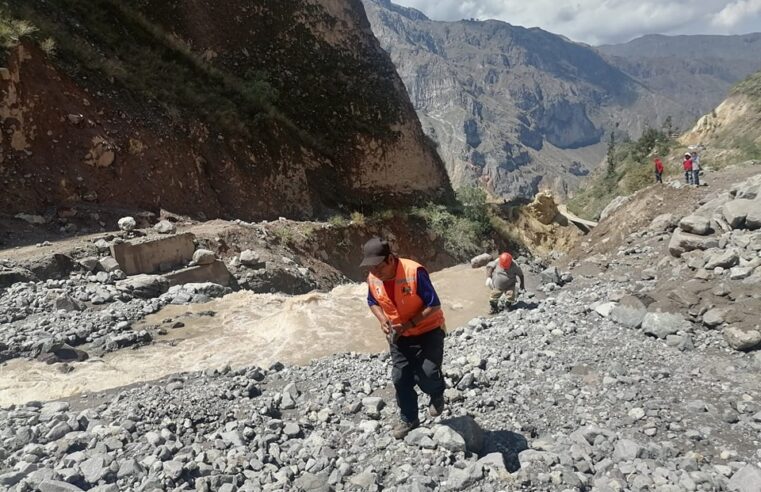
x: 401, y: 296
x: 501, y: 275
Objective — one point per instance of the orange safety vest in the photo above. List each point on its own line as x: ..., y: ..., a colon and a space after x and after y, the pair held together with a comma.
x: 408, y: 303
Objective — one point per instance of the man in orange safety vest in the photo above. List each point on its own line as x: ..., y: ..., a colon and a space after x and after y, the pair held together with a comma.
x: 402, y: 298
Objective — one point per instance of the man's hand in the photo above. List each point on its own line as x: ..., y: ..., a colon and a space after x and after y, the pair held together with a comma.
x: 400, y: 328
x: 386, y: 326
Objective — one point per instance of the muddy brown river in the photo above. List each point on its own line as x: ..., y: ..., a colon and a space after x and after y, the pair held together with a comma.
x: 247, y: 329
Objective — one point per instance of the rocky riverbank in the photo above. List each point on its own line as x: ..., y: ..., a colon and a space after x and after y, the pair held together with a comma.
x: 619, y: 374
x: 551, y: 396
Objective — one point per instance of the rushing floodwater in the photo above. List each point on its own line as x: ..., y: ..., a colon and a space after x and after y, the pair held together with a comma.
x: 248, y: 329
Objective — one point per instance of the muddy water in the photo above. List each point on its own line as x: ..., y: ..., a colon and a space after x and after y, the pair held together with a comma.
x: 247, y: 329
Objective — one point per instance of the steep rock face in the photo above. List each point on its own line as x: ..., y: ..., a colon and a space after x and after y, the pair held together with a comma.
x: 696, y: 71
x: 242, y: 109
x: 730, y: 133
x: 514, y: 109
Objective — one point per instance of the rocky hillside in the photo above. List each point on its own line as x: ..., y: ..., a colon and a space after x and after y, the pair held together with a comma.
x: 696, y: 71
x: 730, y: 133
x: 239, y: 109
x: 516, y: 109
x: 633, y: 370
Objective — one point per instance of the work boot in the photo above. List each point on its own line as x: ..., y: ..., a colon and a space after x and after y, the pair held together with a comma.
x: 436, y: 406
x: 402, y: 428
x: 494, y: 307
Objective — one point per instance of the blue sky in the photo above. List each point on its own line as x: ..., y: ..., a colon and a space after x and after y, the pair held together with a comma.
x: 605, y: 21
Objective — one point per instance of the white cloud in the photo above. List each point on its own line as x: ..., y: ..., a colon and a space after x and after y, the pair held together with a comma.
x: 605, y: 21
x: 737, y: 13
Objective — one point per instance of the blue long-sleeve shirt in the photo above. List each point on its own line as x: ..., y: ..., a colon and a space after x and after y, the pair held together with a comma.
x: 425, y: 290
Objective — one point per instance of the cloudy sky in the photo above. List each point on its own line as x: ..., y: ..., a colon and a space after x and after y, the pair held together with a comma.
x: 605, y: 21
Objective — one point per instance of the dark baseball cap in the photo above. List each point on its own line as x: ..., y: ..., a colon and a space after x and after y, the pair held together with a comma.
x: 375, y: 251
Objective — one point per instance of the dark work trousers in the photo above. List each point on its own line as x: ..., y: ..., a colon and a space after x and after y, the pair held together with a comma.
x: 658, y: 178
x: 417, y: 360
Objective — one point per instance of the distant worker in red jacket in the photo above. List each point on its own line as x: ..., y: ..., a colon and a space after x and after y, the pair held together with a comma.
x: 687, y: 166
x: 658, y: 170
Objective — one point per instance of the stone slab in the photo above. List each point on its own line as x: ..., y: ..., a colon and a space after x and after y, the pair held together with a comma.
x: 148, y: 256
x: 216, y: 273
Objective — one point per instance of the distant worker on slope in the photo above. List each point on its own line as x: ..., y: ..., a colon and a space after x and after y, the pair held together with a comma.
x: 658, y: 170
x: 695, y: 168
x: 401, y: 296
x: 501, y: 276
x: 687, y: 166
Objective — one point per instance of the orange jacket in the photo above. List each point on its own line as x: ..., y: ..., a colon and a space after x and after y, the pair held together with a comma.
x: 408, y: 303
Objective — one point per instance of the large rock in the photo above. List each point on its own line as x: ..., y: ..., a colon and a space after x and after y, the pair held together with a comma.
x: 736, y: 211
x: 742, y: 338
x: 251, y: 259
x: 627, y: 450
x: 204, y: 257
x: 448, y: 438
x: 628, y: 316
x: 746, y: 479
x: 144, y: 286
x: 753, y: 219
x: 663, y: 324
x: 695, y: 224
x: 470, y: 431
x: 165, y: 227
x: 127, y: 223
x: 57, y: 486
x: 714, y: 317
x: 682, y: 242
x: 543, y: 207
x: 663, y: 223
x: 108, y: 264
x: 13, y: 275
x: 550, y: 275
x: 724, y: 259
x: 480, y: 260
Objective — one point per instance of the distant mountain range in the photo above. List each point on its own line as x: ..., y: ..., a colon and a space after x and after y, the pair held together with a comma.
x: 518, y: 110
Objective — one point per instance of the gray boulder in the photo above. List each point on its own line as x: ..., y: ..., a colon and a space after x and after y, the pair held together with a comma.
x: 204, y: 257
x: 742, y: 338
x: 448, y: 438
x: 714, y: 317
x: 480, y: 260
x: 629, y: 313
x: 627, y: 450
x: 736, y: 211
x: 551, y: 276
x: 57, y: 486
x: 661, y: 325
x: 108, y: 264
x: 663, y: 223
x: 144, y: 286
x: 165, y: 227
x: 695, y: 224
x: 682, y: 242
x: 66, y: 303
x: 250, y: 259
x: 747, y: 479
x: 724, y: 259
x: 127, y: 224
x: 471, y: 432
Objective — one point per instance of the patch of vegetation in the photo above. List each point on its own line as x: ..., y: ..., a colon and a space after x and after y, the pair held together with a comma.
x: 462, y: 236
x: 751, y: 87
x: 12, y: 30
x: 296, y: 81
x: 629, y: 168
x: 338, y: 221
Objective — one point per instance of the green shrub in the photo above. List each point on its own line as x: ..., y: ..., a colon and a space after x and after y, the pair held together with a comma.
x: 462, y: 235
x: 338, y: 221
